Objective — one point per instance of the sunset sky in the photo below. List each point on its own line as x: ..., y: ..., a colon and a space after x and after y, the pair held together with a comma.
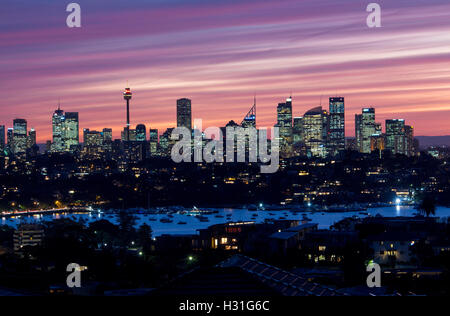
x: 219, y: 54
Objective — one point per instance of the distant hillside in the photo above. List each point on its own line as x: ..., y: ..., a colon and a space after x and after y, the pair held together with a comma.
x: 427, y: 141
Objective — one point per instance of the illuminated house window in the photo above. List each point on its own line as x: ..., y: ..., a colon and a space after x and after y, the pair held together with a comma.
x: 223, y: 240
x: 322, y: 248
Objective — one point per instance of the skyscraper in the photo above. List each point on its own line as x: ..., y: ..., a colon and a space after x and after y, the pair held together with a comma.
x: 298, y: 130
x: 315, y: 125
x: 65, y: 128
x: 57, y: 129
x: 410, y: 149
x: 20, y: 136
x: 107, y: 139
x: 2, y: 137
x: 336, y: 141
x: 250, y: 119
x: 71, y: 131
x: 31, y: 141
x: 399, y: 137
x: 184, y: 116
x: 92, y: 138
x: 107, y: 134
x: 365, y: 128
x: 10, y: 138
x: 141, y: 133
x: 153, y: 141
x: 127, y: 97
x: 358, y: 136
x: 284, y: 123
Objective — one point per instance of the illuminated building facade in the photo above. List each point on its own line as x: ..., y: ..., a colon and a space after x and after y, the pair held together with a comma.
x: 365, y: 127
x: 395, y: 136
x: 399, y: 137
x: 141, y: 133
x: 184, y: 116
x: 336, y: 136
x: 65, y: 131
x: 315, y: 130
x: 70, y: 131
x: 284, y: 123
x: 19, y: 136
x: 298, y: 130
x: 153, y: 141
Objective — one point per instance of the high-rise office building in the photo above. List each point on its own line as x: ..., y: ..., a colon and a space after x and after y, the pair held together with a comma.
x: 107, y: 139
x: 358, y: 131
x: 107, y: 134
x: 58, y: 130
x: 250, y: 119
x: 31, y: 141
x: 298, y: 130
x: 409, y: 141
x: 284, y: 123
x: 141, y: 133
x: 65, y: 128
x: 20, y: 136
x: 336, y: 137
x: 2, y: 137
x: 10, y: 138
x: 128, y: 134
x: 365, y: 128
x: 166, y: 142
x: 92, y: 138
x: 71, y: 131
x: 315, y: 130
x: 399, y: 137
x: 153, y: 141
x: 184, y: 116
x: 377, y: 142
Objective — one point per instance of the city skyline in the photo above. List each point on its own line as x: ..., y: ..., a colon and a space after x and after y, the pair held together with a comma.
x: 219, y: 55
x: 329, y: 110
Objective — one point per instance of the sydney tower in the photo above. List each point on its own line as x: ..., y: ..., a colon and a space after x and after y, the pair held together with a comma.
x: 127, y: 97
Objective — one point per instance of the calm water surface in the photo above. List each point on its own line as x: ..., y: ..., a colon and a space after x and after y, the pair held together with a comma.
x: 192, y: 224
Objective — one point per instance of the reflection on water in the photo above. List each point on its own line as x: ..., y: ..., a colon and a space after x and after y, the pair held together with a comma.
x: 188, y: 224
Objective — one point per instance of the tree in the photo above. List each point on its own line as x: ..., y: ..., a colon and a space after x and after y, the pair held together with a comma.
x: 126, y: 227
x: 427, y: 206
x: 144, y: 235
x: 126, y: 221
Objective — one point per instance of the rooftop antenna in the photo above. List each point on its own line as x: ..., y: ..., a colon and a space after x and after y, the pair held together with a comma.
x: 254, y: 105
x: 59, y: 104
